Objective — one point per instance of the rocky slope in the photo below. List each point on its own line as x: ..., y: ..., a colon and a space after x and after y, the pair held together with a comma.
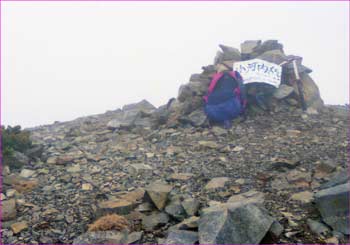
x: 281, y: 159
x: 280, y: 176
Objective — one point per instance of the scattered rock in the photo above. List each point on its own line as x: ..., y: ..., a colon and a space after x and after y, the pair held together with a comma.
x: 175, y: 210
x: 26, y: 173
x: 188, y: 224
x: 135, y: 237
x: 333, y: 204
x: 191, y: 206
x: 158, y: 194
x: 283, y: 91
x: 181, y: 176
x: 102, y: 237
x: 11, y: 193
x: 18, y: 227
x: 74, y: 169
x: 216, y: 183
x: 139, y: 168
x: 233, y: 224
x: 248, y: 197
x: 208, y: 144
x: 9, y: 211
x: 155, y: 220
x: 317, y: 227
x: 182, y: 237
x: 87, y: 187
x: 304, y: 196
x: 115, y: 206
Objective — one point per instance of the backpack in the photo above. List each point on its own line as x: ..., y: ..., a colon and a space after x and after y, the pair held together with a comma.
x: 225, y: 99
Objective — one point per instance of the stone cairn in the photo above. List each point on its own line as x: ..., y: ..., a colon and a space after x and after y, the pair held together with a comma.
x: 188, y: 106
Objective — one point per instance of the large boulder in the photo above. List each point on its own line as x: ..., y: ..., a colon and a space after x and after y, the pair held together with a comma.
x: 333, y: 204
x: 234, y: 223
x: 310, y: 91
x: 137, y: 114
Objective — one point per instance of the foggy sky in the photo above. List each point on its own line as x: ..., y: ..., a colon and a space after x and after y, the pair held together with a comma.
x: 63, y: 60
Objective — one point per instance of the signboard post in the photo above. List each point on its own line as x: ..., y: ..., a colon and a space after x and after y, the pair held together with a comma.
x: 259, y: 71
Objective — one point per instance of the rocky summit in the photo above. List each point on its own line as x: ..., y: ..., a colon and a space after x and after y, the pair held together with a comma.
x: 277, y: 176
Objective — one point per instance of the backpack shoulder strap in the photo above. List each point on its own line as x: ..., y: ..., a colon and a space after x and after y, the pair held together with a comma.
x: 212, y: 84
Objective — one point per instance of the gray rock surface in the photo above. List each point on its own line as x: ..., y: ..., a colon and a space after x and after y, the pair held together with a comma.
x: 182, y: 237
x: 102, y: 237
x: 333, y: 204
x: 233, y: 224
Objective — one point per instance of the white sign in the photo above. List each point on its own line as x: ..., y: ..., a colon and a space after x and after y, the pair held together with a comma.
x: 259, y: 71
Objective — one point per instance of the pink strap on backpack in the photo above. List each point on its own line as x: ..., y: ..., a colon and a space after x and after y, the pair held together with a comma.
x: 214, y: 80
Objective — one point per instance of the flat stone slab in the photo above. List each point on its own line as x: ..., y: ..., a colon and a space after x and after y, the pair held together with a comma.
x: 117, y: 206
x: 102, y: 237
x: 181, y: 176
x: 182, y: 237
x: 216, y: 183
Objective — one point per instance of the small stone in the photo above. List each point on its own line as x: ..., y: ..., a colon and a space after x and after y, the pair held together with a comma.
x: 216, y: 183
x: 208, y: 144
x: 191, y: 206
x: 26, y: 173
x: 182, y: 237
x: 189, y: 223
x: 51, y: 160
x: 2, y: 197
x: 175, y: 210
x: 219, y: 131
x: 154, y: 221
x: 139, y: 168
x: 240, y: 181
x: 18, y: 227
x: 311, y: 111
x: 324, y: 168
x: 317, y: 227
x: 134, y: 196
x: 135, y: 237
x: 332, y: 240
x: 238, y: 148
x: 9, y: 211
x: 11, y: 193
x: 181, y: 176
x: 150, y: 155
x: 115, y: 206
x: 283, y: 91
x: 74, y: 169
x: 87, y: 187
x: 158, y: 193
x: 293, y: 133
x: 248, y: 197
x: 304, y: 197
x: 145, y: 207
x: 276, y: 229
x: 102, y: 237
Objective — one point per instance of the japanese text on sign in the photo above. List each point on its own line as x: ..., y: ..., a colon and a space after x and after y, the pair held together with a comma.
x: 260, y: 71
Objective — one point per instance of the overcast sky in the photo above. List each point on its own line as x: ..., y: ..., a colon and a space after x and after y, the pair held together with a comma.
x: 63, y: 60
